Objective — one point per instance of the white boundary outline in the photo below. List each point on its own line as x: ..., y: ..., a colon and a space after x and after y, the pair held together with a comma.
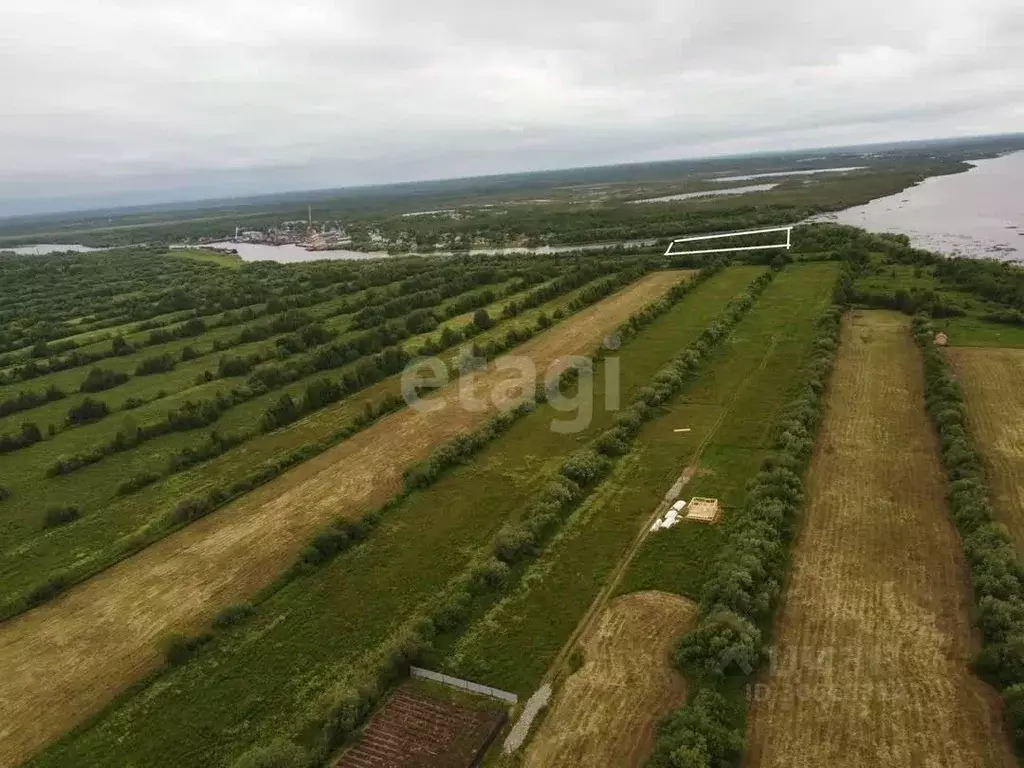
x: 787, y: 245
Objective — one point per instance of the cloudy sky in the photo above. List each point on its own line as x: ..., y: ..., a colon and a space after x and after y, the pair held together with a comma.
x: 105, y: 101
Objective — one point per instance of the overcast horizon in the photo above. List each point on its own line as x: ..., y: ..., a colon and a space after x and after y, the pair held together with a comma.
x: 119, y: 105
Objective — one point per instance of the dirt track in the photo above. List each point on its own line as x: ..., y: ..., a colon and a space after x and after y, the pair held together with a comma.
x: 991, y: 379
x: 874, y: 639
x: 605, y: 713
x: 64, y: 661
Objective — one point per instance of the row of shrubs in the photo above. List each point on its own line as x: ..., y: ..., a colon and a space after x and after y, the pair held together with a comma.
x: 190, y: 415
x: 997, y: 576
x: 909, y: 302
x: 193, y: 508
x: 393, y: 359
x: 23, y: 401
x: 378, y: 314
x: 339, y: 712
x: 120, y: 346
x: 100, y: 379
x: 1005, y: 317
x: 323, y: 392
x: 290, y: 320
x: 318, y: 394
x: 157, y: 364
x: 187, y: 330
x: 275, y: 305
x: 727, y: 647
x: 376, y: 361
x: 339, y: 536
x: 285, y: 410
x: 310, y: 334
x: 86, y: 412
x: 364, y: 375
x: 28, y: 435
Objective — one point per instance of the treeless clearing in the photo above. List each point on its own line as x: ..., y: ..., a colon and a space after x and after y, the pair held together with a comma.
x: 874, y: 639
x: 605, y: 713
x: 991, y: 380
x: 63, y: 661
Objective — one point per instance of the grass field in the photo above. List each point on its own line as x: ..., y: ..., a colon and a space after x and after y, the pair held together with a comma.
x: 874, y: 638
x: 604, y: 714
x: 975, y: 332
x: 991, y: 380
x: 731, y: 409
x: 110, y: 628
x: 967, y: 330
x: 514, y: 644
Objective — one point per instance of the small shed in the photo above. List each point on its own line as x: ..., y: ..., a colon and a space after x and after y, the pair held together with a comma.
x: 703, y: 510
x: 941, y: 339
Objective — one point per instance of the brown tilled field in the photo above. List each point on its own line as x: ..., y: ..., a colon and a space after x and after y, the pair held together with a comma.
x: 605, y: 713
x: 991, y: 380
x: 874, y: 639
x: 414, y: 730
x: 65, y: 660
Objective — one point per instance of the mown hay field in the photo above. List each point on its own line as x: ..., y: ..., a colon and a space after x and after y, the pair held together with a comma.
x: 605, y: 712
x: 512, y: 646
x: 992, y: 381
x: 874, y: 639
x: 99, y: 637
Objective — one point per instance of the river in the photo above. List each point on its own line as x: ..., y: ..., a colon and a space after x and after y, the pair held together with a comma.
x: 44, y: 248
x: 979, y: 213
x: 294, y: 253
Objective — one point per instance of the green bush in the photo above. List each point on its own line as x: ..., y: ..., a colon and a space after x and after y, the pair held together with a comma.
x: 100, y: 379
x: 232, y: 615
x: 585, y: 466
x: 87, y: 411
x: 151, y: 365
x: 191, y: 510
x: 136, y: 483
x: 49, y: 590
x: 57, y: 516
x: 997, y: 576
x: 180, y: 648
x: 699, y: 735
x: 723, y: 644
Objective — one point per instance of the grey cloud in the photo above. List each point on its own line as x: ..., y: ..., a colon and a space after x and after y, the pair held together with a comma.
x: 242, y: 97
